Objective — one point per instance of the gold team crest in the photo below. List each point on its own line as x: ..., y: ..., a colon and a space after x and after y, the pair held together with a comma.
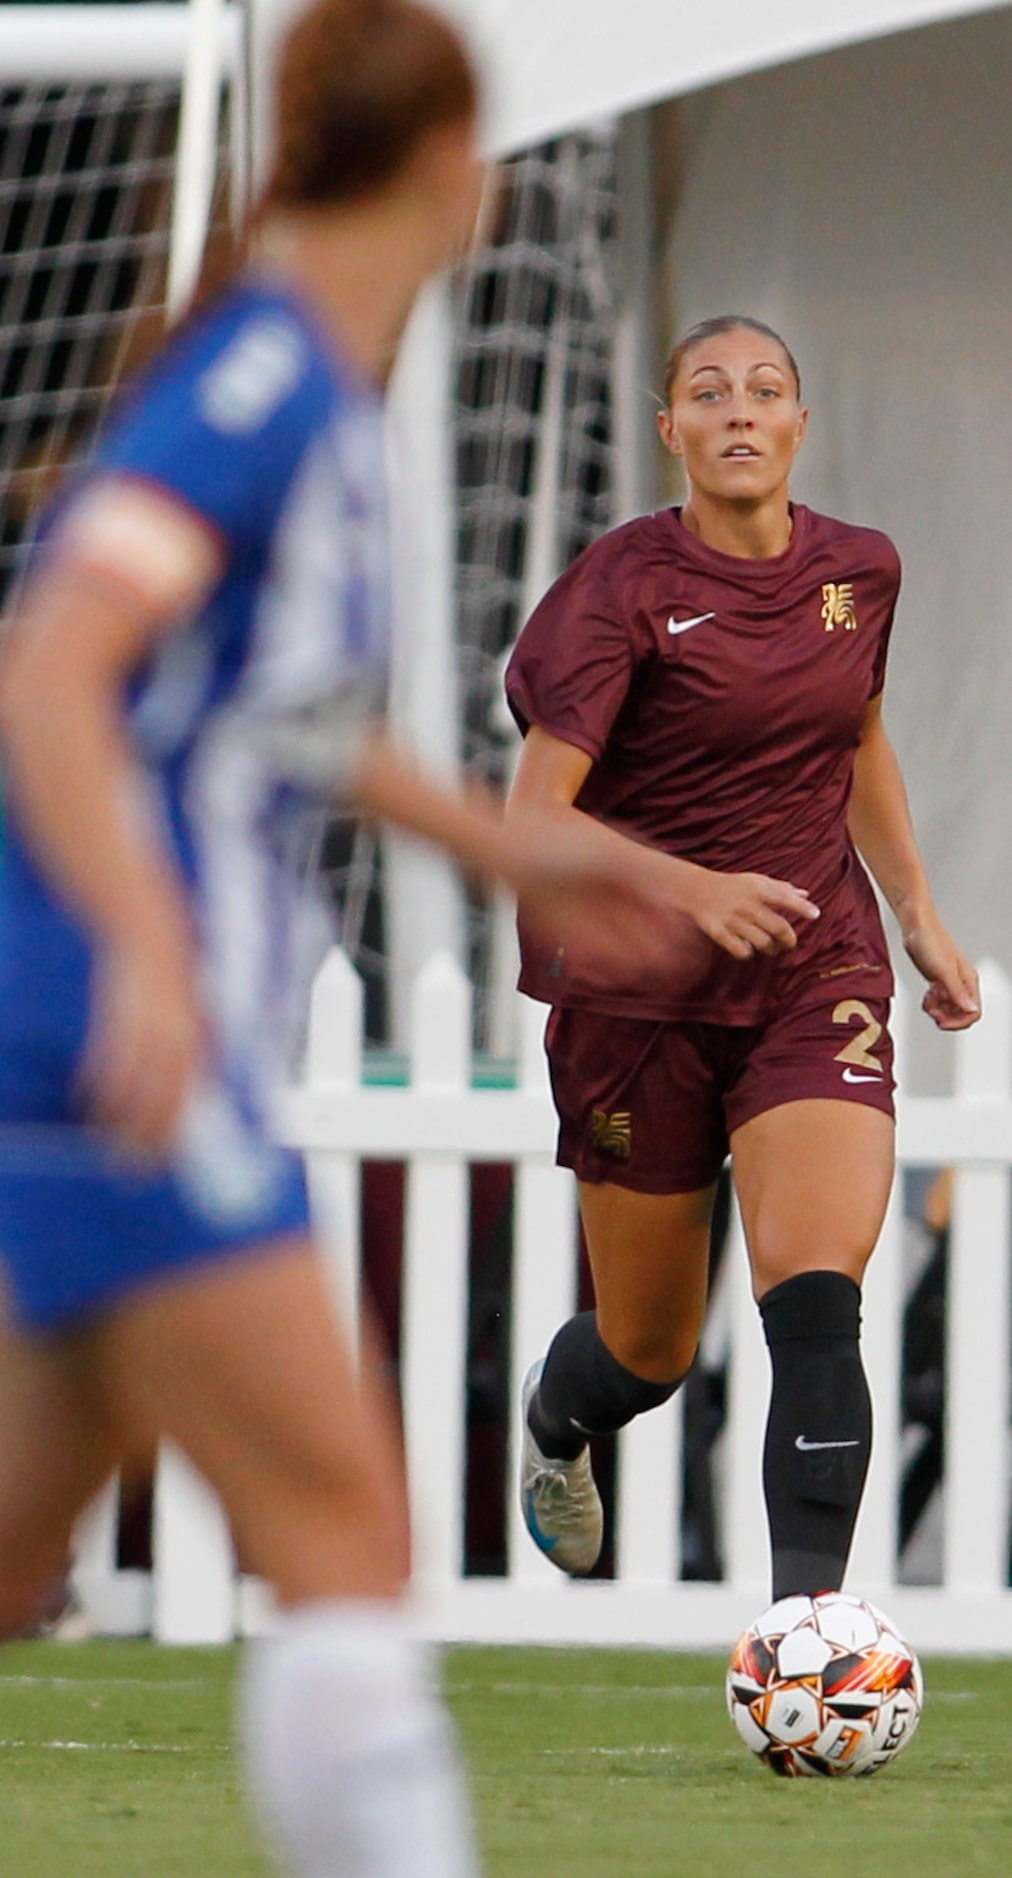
x: 611, y: 1134
x: 838, y: 606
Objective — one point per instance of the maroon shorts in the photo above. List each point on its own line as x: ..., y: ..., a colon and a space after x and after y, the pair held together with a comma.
x: 651, y: 1105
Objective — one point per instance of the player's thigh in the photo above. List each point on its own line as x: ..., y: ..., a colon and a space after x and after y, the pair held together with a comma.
x: 649, y: 1257
x: 639, y: 1102
x: 813, y: 1179
x: 243, y: 1364
x: 56, y: 1450
x: 641, y: 1126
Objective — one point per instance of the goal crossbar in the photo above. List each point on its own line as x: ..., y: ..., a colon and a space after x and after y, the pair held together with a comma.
x: 43, y: 45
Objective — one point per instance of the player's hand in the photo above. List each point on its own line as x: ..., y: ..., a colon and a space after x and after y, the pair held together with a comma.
x: 749, y: 913
x: 953, y: 995
x: 146, y: 1043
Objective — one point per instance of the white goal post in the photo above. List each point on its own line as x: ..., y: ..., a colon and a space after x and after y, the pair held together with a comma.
x: 200, y: 44
x: 44, y: 45
x: 116, y: 124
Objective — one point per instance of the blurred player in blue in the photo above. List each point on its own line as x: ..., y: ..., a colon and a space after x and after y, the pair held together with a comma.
x: 198, y: 660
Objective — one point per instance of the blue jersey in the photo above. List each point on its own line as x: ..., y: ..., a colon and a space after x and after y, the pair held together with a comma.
x: 239, y: 721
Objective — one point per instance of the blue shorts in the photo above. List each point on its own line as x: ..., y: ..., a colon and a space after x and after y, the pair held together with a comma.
x: 79, y: 1228
x: 81, y: 1225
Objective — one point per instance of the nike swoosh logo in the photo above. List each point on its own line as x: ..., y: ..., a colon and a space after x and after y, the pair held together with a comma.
x: 851, y: 1075
x: 682, y: 625
x: 810, y: 1447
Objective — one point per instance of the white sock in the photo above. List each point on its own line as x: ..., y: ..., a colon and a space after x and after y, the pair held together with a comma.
x: 350, y: 1756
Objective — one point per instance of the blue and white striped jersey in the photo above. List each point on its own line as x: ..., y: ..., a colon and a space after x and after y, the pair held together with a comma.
x: 244, y: 716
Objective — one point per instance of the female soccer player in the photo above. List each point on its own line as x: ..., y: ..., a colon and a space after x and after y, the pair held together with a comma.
x: 710, y: 679
x: 197, y: 657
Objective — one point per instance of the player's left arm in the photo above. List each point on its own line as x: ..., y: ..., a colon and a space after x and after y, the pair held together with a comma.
x: 882, y: 831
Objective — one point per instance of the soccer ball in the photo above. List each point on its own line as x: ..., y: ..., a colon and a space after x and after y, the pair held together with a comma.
x: 824, y: 1685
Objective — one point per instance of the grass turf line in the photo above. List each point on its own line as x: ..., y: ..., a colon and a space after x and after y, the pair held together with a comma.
x: 590, y: 1764
x: 586, y: 1763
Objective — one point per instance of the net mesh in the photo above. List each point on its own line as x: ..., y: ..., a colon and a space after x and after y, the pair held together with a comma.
x: 533, y: 403
x: 85, y: 192
x: 534, y: 435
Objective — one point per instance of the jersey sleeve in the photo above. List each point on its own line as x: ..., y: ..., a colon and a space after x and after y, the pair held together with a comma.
x: 573, y: 664
x: 223, y: 421
x: 892, y: 574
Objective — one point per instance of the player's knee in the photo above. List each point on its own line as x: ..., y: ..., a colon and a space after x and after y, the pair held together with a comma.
x: 775, y: 1264
x: 658, y: 1355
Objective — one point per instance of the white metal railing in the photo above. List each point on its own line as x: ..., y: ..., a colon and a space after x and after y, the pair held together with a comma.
x: 437, y: 1125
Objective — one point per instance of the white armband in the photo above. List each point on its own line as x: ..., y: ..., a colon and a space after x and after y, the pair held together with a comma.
x: 143, y: 539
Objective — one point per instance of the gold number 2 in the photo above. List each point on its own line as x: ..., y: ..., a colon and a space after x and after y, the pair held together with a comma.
x: 858, y: 1050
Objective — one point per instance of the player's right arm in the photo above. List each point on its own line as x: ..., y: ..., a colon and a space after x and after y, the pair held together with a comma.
x: 565, y: 867
x: 742, y: 913
x: 129, y: 563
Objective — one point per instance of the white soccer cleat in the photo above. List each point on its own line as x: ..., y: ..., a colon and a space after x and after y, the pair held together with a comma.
x: 561, y: 1505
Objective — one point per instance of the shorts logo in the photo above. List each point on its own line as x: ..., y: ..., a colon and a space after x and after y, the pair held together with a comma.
x: 676, y: 626
x: 840, y: 971
x: 838, y: 606
x: 611, y: 1134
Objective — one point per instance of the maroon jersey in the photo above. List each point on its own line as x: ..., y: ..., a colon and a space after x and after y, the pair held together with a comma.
x: 722, y: 701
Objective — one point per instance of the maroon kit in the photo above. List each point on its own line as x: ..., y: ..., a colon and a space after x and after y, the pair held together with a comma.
x: 722, y: 702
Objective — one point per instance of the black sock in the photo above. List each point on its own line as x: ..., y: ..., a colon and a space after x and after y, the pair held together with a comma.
x: 818, y: 1436
x: 584, y: 1390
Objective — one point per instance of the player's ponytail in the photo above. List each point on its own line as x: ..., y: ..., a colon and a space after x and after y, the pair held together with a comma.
x: 360, y: 83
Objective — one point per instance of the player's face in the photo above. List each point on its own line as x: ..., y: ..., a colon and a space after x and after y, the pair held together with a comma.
x: 734, y: 417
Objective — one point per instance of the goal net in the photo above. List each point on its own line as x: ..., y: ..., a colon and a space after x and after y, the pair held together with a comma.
x: 537, y: 321
x: 85, y: 194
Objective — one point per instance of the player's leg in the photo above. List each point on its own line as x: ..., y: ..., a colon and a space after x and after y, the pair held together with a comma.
x: 649, y: 1255
x: 351, y: 1758
x: 813, y: 1180
x: 56, y: 1449
x: 641, y: 1128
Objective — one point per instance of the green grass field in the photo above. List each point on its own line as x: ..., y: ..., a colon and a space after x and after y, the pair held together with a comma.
x: 115, y: 1759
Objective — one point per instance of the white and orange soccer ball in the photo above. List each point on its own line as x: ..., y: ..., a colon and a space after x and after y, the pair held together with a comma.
x: 824, y: 1685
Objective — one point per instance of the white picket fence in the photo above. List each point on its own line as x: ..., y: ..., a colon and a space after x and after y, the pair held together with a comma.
x: 438, y: 1125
